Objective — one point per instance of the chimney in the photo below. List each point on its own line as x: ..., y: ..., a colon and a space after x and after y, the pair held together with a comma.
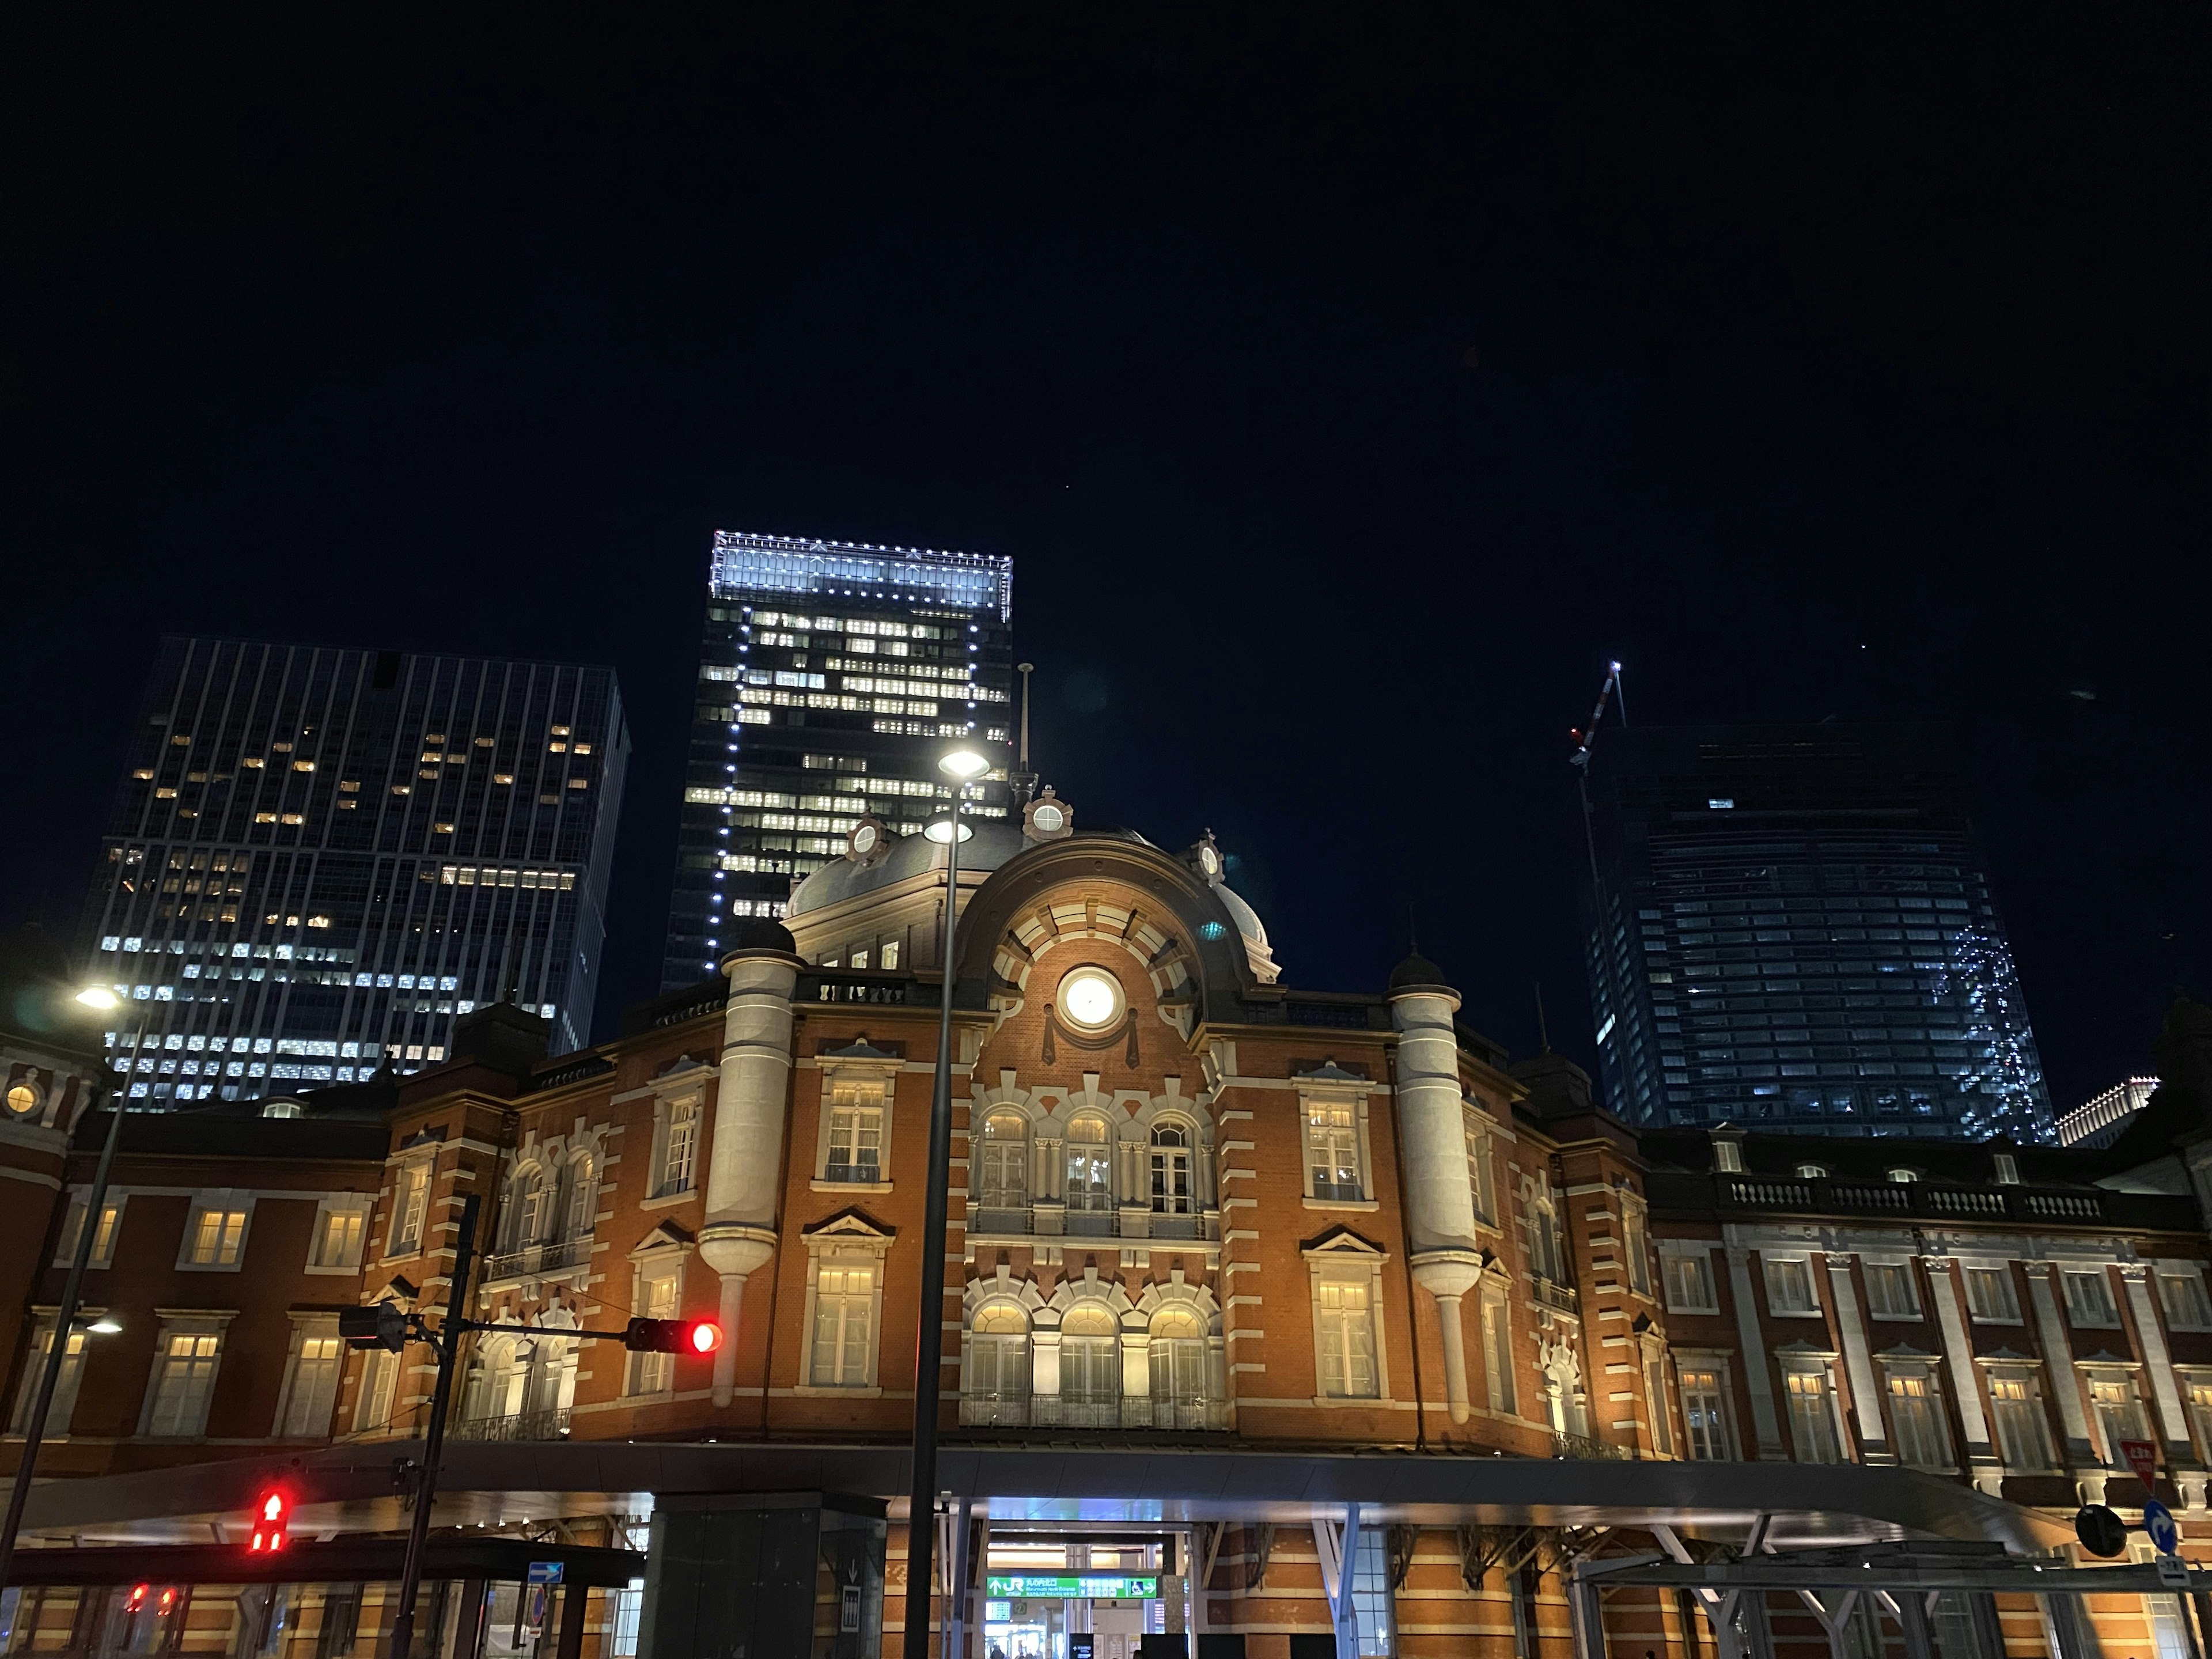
x: 501, y: 1037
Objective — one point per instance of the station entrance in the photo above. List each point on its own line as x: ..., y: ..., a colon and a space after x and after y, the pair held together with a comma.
x: 1062, y: 1595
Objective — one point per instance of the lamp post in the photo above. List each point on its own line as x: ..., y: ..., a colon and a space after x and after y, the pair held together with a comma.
x: 962, y: 766
x: 34, y: 1431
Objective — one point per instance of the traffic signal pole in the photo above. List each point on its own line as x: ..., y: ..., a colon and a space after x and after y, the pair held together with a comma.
x: 433, y: 1439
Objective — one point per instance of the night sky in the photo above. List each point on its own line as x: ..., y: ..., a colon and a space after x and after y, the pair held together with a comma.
x: 1347, y: 389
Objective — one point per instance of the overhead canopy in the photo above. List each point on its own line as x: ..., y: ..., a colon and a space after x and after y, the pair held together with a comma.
x: 352, y: 1489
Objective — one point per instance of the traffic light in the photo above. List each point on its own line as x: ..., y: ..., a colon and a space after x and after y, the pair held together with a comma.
x: 384, y: 1326
x: 137, y: 1599
x: 272, y: 1513
x: 672, y: 1336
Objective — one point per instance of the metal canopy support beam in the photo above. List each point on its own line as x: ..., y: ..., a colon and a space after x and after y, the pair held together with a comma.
x: 1338, y: 1546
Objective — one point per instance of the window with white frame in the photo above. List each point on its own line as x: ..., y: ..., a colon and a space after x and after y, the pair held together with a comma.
x: 1705, y: 1431
x: 996, y: 1357
x: 1090, y: 1360
x: 62, y: 1406
x: 379, y: 1382
x: 103, y: 1241
x: 1333, y: 1171
x: 187, y: 1357
x: 1002, y: 1177
x: 676, y: 1145
x: 215, y: 1234
x: 2023, y: 1431
x: 2089, y: 1300
x: 1891, y: 1291
x: 656, y: 1298
x: 1546, y: 1256
x: 1635, y: 1243
x: 1171, y: 1170
x: 855, y: 1133
x: 1181, y: 1370
x: 580, y: 1195
x: 1090, y: 1147
x: 1654, y: 1399
x: 1916, y: 1418
x: 1789, y: 1285
x: 1344, y: 1313
x: 1991, y: 1297
x: 410, y: 1206
x: 1481, y: 1177
x: 1497, y: 1352
x: 1727, y: 1156
x: 341, y: 1230
x: 2182, y: 1291
x: 311, y: 1382
x: 2199, y: 1386
x: 844, y: 1311
x: 844, y: 1304
x: 2008, y: 1168
x: 529, y: 1205
x: 2119, y: 1409
x: 1688, y: 1280
x: 1810, y: 1391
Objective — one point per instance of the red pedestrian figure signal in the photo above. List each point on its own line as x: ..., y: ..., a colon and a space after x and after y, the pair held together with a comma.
x: 271, y: 1515
x: 696, y: 1336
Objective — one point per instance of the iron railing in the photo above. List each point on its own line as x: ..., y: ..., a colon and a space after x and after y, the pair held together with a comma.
x: 558, y: 1257
x: 1934, y: 1200
x: 1554, y: 1295
x: 549, y: 1425
x: 1584, y: 1446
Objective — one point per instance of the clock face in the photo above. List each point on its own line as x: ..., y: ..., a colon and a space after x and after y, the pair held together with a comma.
x: 1049, y: 818
x: 1209, y: 860
x: 864, y: 838
x: 1091, y: 997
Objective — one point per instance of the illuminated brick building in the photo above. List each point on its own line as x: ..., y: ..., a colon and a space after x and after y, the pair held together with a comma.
x: 1272, y: 1316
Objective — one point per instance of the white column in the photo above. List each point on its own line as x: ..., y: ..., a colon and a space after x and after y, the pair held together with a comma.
x: 2060, y: 1378
x: 1965, y: 1385
x: 750, y: 1103
x: 1431, y: 1126
x: 1758, y: 1374
x: 1866, y: 1399
x: 2136, y: 1277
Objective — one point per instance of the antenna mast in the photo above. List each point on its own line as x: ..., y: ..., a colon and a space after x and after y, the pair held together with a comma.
x: 1024, y: 780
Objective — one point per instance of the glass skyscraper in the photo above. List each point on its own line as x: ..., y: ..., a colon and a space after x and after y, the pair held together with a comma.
x: 318, y: 857
x: 831, y: 677
x: 1793, y: 927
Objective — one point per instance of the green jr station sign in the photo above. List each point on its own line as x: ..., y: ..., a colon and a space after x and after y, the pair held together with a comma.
x: 1073, y: 1587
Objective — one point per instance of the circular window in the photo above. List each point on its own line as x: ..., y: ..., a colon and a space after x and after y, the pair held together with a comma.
x: 864, y: 838
x: 22, y: 1100
x: 1209, y: 860
x: 1048, y: 818
x: 1091, y: 997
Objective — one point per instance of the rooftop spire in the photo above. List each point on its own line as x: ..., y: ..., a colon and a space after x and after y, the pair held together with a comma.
x: 1023, y: 780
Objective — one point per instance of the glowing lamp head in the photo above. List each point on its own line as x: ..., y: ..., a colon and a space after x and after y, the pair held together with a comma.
x: 939, y: 830
x: 100, y: 997
x: 963, y: 765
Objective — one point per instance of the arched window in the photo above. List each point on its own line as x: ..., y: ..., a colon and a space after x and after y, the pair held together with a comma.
x: 1179, y: 1371
x: 1090, y: 1166
x: 996, y: 1388
x: 1171, y: 1186
x: 582, y: 1211
x: 526, y: 1206
x: 496, y: 1383
x: 1090, y: 1366
x: 1003, y: 1183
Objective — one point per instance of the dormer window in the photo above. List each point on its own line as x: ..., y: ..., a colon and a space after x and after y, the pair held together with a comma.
x: 1727, y: 1156
x: 1812, y: 1172
x: 1903, y: 1176
x: 2007, y: 1169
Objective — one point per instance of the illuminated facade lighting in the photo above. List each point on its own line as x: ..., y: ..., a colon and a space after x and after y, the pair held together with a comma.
x: 832, y: 677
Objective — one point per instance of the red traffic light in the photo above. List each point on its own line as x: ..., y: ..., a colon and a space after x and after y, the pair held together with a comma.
x: 137, y: 1599
x: 272, y: 1513
x: 672, y: 1336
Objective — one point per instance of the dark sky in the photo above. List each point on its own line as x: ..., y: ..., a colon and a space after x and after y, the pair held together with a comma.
x: 1349, y: 387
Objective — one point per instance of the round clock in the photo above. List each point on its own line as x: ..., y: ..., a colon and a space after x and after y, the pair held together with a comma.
x: 1090, y: 999
x: 1209, y: 860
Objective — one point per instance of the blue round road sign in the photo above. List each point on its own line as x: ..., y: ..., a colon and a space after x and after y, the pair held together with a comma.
x: 2158, y: 1522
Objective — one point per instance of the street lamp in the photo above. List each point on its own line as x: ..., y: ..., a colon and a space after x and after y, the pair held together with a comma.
x: 103, y: 1000
x: 962, y: 766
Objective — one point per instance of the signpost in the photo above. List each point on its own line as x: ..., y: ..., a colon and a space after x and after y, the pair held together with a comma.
x: 2158, y: 1523
x: 1074, y: 1587
x: 2141, y: 1457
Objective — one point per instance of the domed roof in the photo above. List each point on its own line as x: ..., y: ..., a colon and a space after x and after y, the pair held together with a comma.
x: 995, y: 842
x: 1416, y: 972
x: 1246, y: 918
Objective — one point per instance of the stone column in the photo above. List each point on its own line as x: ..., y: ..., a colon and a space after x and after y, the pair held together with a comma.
x: 1431, y: 1126
x: 1965, y: 1385
x: 1758, y: 1374
x: 750, y: 1103
x: 1865, y: 1397
x: 2173, y: 1425
x: 2058, y: 1369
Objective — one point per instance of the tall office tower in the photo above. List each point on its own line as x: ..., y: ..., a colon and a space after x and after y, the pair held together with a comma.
x: 1794, y: 925
x: 318, y: 857
x: 831, y: 678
